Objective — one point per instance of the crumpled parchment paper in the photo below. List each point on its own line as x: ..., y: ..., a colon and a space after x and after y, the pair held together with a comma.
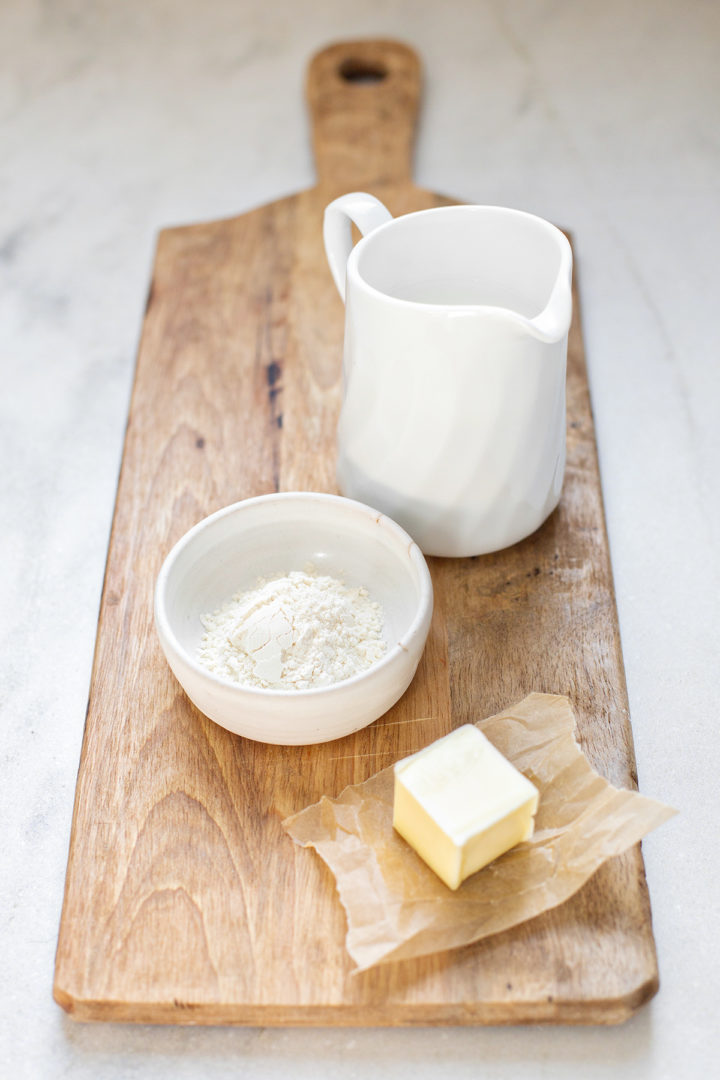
x: 396, y: 906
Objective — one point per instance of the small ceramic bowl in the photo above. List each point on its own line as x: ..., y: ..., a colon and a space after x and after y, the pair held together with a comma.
x: 273, y: 534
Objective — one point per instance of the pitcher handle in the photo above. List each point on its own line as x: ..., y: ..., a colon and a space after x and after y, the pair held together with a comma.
x: 356, y: 208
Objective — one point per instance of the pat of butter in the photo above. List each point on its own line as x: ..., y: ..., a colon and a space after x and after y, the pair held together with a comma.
x: 461, y: 804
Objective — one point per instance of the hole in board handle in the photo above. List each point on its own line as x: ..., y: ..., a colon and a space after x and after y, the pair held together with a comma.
x: 362, y: 72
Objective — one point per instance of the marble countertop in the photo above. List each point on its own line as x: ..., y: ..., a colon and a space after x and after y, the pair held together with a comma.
x: 119, y: 118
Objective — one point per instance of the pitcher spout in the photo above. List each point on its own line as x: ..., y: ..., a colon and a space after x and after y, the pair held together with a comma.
x: 553, y: 322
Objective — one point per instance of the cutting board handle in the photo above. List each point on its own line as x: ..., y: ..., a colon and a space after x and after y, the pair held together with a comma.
x: 363, y: 98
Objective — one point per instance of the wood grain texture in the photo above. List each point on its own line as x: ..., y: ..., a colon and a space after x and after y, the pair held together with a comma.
x: 185, y: 902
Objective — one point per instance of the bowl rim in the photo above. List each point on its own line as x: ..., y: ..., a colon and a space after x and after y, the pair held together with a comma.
x: 423, y: 612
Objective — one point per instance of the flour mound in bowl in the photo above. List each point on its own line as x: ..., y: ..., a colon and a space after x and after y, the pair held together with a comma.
x: 295, y: 631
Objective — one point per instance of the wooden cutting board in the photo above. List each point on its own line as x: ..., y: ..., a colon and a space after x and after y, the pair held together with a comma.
x: 185, y: 902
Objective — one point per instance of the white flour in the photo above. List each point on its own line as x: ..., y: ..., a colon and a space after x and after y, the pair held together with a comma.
x: 293, y: 632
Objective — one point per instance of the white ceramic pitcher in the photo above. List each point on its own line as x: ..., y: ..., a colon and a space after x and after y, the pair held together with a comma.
x: 453, y: 415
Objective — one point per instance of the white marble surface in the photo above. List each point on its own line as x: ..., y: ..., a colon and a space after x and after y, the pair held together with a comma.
x: 118, y: 118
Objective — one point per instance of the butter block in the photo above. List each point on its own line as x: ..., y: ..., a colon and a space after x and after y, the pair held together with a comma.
x: 460, y: 804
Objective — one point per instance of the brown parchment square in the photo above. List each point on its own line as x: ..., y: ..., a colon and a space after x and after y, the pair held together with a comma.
x: 398, y: 908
